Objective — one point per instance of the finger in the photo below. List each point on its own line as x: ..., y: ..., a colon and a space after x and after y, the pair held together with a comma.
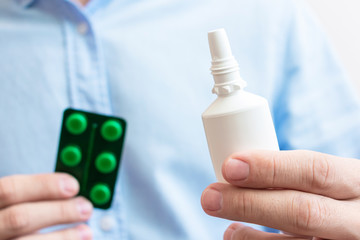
x: 81, y: 232
x: 307, y: 171
x: 237, y: 231
x: 26, y: 218
x: 26, y: 188
x: 290, y: 211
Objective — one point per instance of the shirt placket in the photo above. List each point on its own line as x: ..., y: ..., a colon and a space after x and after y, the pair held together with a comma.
x: 88, y: 90
x: 88, y: 87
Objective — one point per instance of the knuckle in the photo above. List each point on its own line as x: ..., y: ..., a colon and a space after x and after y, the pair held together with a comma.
x: 65, y: 211
x: 306, y: 213
x: 7, y: 189
x: 17, y: 219
x: 268, y: 167
x: 75, y: 233
x: 243, y: 203
x: 245, y: 233
x: 69, y: 234
x: 322, y: 170
x: 273, y: 166
x: 49, y: 184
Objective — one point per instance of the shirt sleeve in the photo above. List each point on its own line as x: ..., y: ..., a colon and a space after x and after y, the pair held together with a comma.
x: 316, y: 107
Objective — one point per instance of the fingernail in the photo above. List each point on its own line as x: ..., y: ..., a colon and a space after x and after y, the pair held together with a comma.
x: 212, y: 200
x: 84, y: 232
x: 69, y: 185
x: 236, y: 170
x: 84, y: 207
x: 228, y: 233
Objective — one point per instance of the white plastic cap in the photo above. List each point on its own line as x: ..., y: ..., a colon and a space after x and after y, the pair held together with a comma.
x: 219, y: 45
x: 224, y: 67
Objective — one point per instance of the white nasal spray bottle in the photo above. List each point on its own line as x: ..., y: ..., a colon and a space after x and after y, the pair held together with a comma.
x: 236, y: 120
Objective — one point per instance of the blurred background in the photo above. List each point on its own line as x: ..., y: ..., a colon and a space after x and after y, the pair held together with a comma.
x: 341, y: 21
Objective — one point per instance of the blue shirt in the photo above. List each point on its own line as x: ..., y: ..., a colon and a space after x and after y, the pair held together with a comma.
x: 148, y: 61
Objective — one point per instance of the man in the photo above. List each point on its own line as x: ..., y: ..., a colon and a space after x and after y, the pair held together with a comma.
x: 147, y: 61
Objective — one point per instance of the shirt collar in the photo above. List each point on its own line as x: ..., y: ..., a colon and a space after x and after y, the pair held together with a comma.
x: 25, y: 3
x: 91, y: 7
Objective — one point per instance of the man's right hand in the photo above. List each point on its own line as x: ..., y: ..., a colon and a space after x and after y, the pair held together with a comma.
x: 29, y: 203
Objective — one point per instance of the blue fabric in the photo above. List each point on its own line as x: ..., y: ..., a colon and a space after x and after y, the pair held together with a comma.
x: 148, y: 61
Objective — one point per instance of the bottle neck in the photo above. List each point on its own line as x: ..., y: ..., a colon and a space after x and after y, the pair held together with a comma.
x: 228, y: 83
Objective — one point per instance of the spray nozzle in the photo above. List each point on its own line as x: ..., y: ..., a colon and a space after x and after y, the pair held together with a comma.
x: 219, y: 45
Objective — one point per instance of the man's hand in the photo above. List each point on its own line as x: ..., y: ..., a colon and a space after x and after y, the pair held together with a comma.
x: 31, y: 203
x: 300, y: 192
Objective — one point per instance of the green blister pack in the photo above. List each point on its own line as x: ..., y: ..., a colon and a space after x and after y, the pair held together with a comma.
x: 90, y: 150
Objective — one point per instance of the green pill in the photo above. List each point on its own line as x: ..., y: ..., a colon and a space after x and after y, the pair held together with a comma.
x: 100, y: 194
x: 105, y: 162
x: 71, y: 156
x: 111, y: 130
x: 76, y: 123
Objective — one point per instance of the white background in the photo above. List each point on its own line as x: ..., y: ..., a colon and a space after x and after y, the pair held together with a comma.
x: 341, y: 21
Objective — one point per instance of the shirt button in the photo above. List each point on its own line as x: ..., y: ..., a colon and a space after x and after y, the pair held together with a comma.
x: 82, y: 28
x: 107, y: 223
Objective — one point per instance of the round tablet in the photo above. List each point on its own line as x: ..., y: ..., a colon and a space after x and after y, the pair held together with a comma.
x: 71, y: 156
x: 111, y: 130
x: 100, y: 194
x: 105, y: 162
x: 76, y: 123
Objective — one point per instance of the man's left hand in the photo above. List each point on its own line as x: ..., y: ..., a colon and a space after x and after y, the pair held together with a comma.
x: 300, y: 192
